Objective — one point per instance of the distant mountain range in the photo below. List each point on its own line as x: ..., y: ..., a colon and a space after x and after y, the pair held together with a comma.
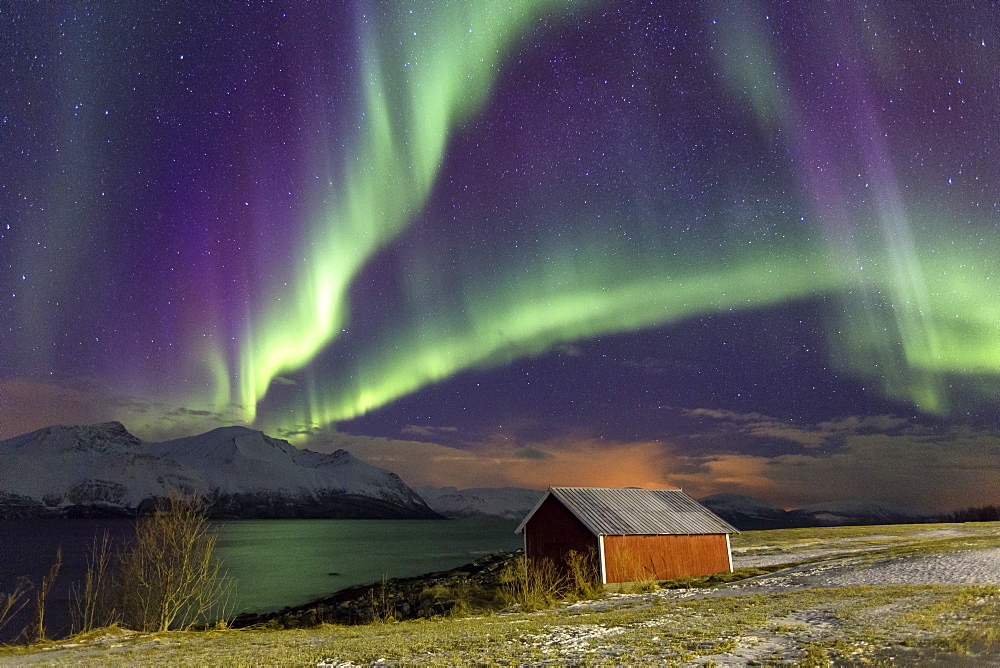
x: 508, y: 502
x: 103, y: 470
x: 743, y: 512
x: 748, y: 513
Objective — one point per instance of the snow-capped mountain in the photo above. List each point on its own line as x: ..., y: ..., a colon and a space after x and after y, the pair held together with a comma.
x: 104, y: 469
x: 844, y: 513
x: 508, y: 502
x: 745, y: 512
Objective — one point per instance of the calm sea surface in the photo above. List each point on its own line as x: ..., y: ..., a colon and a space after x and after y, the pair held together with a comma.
x: 276, y: 563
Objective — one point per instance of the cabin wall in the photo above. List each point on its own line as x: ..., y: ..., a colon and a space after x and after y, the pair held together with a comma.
x: 636, y: 558
x: 553, y: 531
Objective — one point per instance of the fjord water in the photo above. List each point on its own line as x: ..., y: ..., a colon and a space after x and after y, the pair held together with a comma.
x: 288, y: 562
x: 275, y: 563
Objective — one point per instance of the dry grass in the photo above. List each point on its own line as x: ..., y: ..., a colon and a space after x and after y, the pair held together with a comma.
x: 584, y: 575
x: 12, y: 602
x: 537, y: 584
x: 910, y: 625
x: 36, y: 631
x: 865, y: 624
x: 532, y: 584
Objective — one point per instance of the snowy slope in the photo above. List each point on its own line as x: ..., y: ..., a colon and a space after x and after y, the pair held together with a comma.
x: 239, y: 460
x: 82, y: 465
x: 509, y: 502
x: 746, y: 512
x: 245, y: 472
x: 847, y: 513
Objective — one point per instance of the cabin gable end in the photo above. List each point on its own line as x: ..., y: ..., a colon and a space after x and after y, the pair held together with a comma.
x: 552, y: 532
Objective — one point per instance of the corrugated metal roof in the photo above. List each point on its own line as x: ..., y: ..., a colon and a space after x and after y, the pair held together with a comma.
x: 634, y: 511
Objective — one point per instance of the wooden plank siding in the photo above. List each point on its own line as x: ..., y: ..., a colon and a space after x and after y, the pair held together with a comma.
x: 553, y: 531
x: 633, y: 558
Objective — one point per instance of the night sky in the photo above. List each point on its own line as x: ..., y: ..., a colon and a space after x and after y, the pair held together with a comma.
x: 730, y: 246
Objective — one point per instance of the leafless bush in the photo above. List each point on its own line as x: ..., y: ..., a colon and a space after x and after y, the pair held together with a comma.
x: 11, y: 603
x: 169, y: 576
x: 35, y: 630
x: 96, y: 604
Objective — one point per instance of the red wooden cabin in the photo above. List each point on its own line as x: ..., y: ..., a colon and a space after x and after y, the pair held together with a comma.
x: 636, y: 534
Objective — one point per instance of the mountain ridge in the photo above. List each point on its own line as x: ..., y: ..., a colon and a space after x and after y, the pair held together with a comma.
x: 506, y: 502
x: 748, y: 513
x: 742, y: 511
x: 103, y: 469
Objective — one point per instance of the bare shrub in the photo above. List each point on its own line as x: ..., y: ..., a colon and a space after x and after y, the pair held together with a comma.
x: 96, y: 604
x: 35, y: 631
x: 11, y: 603
x: 169, y: 576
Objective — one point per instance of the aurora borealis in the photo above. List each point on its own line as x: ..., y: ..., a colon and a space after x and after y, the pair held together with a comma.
x: 382, y: 218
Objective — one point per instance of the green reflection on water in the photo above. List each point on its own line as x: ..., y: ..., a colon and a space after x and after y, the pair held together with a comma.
x: 278, y: 563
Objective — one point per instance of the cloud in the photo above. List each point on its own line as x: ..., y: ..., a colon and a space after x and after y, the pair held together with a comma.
x: 73, y: 401
x: 503, y: 461
x: 831, y: 433
x: 724, y: 415
x: 951, y: 469
x: 944, y: 469
x: 416, y: 462
x: 568, y: 349
x: 42, y: 404
x: 427, y: 431
x: 531, y: 453
x: 715, y: 422
x: 85, y: 401
x: 867, y: 424
x: 191, y: 412
x: 283, y: 380
x: 935, y: 466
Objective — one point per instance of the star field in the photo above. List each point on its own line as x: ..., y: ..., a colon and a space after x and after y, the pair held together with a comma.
x: 578, y: 215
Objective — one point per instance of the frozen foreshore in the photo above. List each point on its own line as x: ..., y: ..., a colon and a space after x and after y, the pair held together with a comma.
x: 894, y: 595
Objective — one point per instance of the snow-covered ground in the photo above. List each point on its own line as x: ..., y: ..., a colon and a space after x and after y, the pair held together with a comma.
x: 841, y: 564
x: 802, y: 614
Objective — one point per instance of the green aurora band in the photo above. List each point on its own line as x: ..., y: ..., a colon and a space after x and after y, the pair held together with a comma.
x: 919, y: 311
x: 916, y: 315
x: 422, y: 76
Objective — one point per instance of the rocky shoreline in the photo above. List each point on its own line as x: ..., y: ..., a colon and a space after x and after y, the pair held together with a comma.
x: 432, y: 594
